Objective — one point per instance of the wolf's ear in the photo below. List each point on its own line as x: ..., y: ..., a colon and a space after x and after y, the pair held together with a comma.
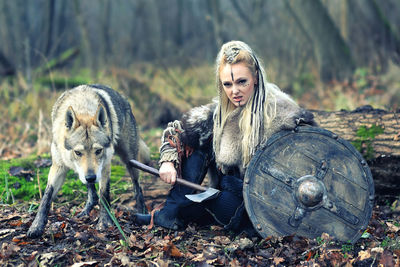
x: 101, y: 116
x: 70, y: 118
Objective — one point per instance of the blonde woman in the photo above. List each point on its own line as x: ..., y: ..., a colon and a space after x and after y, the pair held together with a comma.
x: 220, y: 138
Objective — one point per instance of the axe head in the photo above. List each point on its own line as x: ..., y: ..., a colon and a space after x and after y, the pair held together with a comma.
x: 210, y: 193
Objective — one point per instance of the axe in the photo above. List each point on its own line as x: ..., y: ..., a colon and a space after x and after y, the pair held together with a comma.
x: 208, y: 193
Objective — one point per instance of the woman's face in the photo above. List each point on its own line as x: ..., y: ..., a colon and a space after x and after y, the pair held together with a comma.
x: 238, y: 82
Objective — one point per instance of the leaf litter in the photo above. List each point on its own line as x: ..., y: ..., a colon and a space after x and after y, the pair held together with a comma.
x: 72, y: 241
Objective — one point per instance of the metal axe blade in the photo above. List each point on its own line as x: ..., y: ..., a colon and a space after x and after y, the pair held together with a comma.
x: 208, y: 192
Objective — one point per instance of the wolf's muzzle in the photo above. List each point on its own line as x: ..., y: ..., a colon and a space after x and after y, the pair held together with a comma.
x: 91, y: 178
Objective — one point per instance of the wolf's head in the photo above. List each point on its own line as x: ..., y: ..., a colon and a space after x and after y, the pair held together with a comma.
x: 89, y: 141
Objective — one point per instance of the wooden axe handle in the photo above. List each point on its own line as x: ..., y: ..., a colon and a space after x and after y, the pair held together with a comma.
x: 155, y: 172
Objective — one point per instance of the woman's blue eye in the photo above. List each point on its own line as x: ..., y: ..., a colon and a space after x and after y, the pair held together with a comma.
x: 242, y: 81
x: 227, y: 84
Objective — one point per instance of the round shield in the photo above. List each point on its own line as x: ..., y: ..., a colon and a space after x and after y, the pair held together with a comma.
x: 308, y: 182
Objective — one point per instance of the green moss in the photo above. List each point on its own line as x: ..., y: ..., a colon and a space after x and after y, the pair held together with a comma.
x: 14, y: 188
x: 364, y: 141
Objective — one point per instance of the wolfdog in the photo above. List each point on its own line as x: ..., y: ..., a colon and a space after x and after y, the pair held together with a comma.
x: 89, y: 122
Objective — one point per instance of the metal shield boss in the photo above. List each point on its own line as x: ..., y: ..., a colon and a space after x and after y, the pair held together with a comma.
x: 308, y: 182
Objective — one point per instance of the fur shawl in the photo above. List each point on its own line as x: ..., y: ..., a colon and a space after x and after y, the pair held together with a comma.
x: 196, y: 131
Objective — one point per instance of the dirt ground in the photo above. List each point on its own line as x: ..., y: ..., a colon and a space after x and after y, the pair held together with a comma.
x: 72, y: 241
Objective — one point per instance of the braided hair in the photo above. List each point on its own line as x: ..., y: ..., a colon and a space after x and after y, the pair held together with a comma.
x: 259, y: 111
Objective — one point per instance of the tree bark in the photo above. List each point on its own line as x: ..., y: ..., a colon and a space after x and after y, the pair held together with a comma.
x: 51, y: 12
x: 331, y: 52
x: 381, y: 149
x: 6, y: 67
x: 217, y: 20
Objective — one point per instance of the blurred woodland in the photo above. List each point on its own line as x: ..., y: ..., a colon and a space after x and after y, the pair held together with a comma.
x: 332, y: 56
x: 329, y: 55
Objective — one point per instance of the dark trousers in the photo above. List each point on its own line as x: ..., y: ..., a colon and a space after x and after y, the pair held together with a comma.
x: 226, y: 209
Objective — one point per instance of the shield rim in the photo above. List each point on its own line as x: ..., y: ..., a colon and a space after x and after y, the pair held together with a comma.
x: 311, y: 129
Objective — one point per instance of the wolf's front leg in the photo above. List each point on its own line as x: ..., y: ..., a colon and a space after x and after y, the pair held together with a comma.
x: 104, y: 219
x: 140, y: 204
x: 55, y: 180
x: 91, y: 201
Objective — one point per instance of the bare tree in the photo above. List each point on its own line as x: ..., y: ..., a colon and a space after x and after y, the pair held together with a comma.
x: 84, y: 36
x: 253, y: 17
x: 6, y: 67
x: 50, y: 24
x: 331, y: 52
x: 216, y: 20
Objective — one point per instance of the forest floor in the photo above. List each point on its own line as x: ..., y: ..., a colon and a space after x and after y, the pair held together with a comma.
x: 72, y: 241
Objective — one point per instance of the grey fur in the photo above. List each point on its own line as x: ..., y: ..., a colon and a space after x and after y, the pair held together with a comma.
x: 197, y: 130
x: 198, y: 126
x: 90, y: 122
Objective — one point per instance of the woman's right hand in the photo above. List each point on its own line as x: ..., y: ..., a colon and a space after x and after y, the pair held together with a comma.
x: 168, y: 172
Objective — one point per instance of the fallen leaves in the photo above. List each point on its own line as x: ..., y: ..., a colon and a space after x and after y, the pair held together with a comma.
x: 8, y: 249
x: 72, y: 241
x: 172, y: 251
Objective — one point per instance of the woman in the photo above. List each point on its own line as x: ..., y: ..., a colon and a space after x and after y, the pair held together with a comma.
x: 221, y: 138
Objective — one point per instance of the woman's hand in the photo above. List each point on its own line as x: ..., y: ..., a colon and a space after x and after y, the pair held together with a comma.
x: 168, y: 172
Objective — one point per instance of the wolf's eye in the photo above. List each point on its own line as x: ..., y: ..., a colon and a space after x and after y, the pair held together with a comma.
x: 79, y: 154
x: 98, y: 151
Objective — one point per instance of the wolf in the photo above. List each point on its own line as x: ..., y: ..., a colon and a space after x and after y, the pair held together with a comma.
x: 89, y: 124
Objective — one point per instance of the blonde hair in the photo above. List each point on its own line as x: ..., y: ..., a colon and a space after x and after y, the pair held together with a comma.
x: 260, y: 109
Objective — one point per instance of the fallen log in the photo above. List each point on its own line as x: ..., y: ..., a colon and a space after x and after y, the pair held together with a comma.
x: 376, y: 134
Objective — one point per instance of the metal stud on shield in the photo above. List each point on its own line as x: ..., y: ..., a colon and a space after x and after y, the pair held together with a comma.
x: 308, y: 182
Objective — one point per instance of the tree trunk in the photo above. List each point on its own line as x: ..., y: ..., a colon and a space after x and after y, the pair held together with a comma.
x: 376, y: 134
x: 51, y: 12
x: 6, y: 67
x: 84, y: 35
x: 331, y: 52
x: 217, y: 20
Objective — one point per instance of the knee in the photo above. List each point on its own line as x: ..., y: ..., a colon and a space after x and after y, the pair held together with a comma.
x: 196, y: 164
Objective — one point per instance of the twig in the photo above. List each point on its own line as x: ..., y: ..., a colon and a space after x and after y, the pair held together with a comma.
x: 38, y: 181
x: 311, y: 249
x: 113, y: 218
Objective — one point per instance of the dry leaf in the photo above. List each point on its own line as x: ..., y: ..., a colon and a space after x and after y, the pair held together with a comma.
x: 199, y: 257
x: 364, y: 254
x: 223, y: 240
x: 392, y: 227
x: 7, y: 250
x: 15, y: 223
x: 31, y: 257
x: 376, y: 250
x: 172, y: 250
x: 234, y: 263
x: 396, y: 137
x: 386, y: 259
x: 245, y: 243
x: 278, y: 260
x: 86, y: 263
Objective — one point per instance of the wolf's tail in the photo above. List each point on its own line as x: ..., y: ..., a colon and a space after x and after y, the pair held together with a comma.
x: 144, y: 152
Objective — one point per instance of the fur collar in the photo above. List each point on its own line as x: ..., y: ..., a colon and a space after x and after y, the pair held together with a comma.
x: 228, y: 153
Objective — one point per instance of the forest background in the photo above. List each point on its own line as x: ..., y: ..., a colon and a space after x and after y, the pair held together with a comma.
x: 328, y: 54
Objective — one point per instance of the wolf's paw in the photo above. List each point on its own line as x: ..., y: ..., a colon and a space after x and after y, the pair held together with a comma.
x: 35, y: 232
x: 83, y: 213
x: 104, y: 222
